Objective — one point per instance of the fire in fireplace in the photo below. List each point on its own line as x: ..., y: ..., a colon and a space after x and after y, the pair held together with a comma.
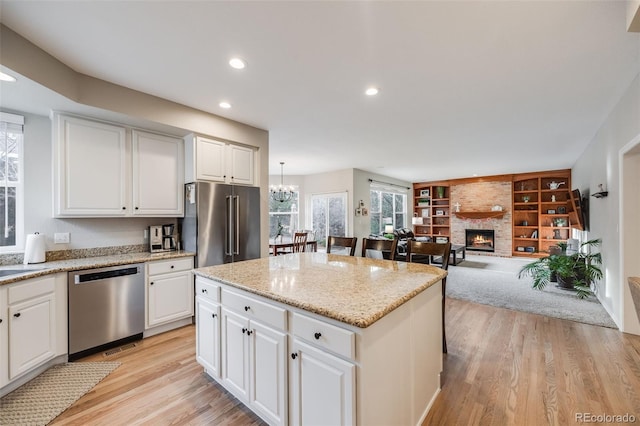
x: 480, y: 239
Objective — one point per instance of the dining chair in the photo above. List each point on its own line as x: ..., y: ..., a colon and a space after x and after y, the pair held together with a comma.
x: 344, y: 243
x: 425, y: 252
x: 383, y: 246
x: 299, y: 242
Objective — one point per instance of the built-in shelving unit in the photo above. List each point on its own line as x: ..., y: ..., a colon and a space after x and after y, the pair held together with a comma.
x: 544, y: 211
x: 493, y: 214
x: 431, y: 203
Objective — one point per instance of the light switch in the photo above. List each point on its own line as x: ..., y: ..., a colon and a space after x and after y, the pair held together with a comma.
x: 61, y: 238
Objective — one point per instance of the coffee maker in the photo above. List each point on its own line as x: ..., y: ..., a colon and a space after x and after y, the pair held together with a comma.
x: 162, y: 238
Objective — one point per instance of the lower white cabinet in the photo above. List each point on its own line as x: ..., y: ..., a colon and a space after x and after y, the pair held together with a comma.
x: 322, y: 387
x: 169, y: 291
x: 208, y: 335
x: 254, y: 365
x: 33, y: 325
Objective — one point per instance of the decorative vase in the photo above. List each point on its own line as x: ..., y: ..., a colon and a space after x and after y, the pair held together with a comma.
x: 440, y: 191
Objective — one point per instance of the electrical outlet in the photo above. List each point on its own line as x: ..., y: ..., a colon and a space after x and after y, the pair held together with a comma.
x: 61, y: 238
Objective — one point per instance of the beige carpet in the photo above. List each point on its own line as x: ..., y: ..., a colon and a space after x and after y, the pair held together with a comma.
x: 45, y: 397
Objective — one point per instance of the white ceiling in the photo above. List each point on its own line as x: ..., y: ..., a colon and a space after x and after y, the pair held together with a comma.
x: 465, y: 87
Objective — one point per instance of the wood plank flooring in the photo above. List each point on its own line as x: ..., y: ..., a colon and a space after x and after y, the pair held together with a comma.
x: 503, y: 368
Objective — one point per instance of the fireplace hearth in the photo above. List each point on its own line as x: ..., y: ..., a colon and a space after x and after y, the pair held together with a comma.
x: 480, y: 240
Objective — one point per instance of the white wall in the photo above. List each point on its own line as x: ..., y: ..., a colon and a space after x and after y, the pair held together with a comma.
x: 38, y: 203
x: 600, y: 164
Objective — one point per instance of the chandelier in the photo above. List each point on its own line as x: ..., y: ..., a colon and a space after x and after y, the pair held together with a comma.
x: 280, y: 192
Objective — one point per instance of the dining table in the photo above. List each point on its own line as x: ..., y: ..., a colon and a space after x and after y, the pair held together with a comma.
x: 284, y: 246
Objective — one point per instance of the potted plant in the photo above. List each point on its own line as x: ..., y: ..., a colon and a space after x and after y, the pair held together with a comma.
x: 576, y: 271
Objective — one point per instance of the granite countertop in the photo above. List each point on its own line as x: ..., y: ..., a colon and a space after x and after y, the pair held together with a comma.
x: 46, y: 268
x: 354, y: 290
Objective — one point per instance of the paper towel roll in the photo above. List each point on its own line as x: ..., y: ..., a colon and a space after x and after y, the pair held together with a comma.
x: 34, y: 249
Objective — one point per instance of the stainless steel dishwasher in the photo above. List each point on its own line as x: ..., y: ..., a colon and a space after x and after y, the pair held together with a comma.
x: 106, y: 308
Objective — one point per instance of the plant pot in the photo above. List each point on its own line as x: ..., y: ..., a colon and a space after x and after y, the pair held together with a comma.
x: 565, y: 283
x: 440, y: 191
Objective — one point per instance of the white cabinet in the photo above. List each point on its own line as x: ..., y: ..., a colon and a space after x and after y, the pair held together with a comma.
x: 208, y: 326
x: 169, y: 291
x: 254, y: 365
x: 35, y: 310
x: 91, y: 168
x: 247, y: 354
x: 218, y: 161
x: 106, y: 170
x: 322, y: 387
x: 158, y: 175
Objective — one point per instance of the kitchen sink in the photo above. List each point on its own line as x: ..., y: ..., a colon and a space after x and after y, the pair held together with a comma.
x: 8, y: 272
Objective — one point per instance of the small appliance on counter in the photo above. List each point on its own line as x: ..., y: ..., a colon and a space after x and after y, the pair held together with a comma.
x: 162, y: 238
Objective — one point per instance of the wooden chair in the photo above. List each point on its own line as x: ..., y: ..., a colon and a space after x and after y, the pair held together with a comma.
x: 383, y: 246
x: 299, y: 242
x: 428, y: 251
x: 347, y: 243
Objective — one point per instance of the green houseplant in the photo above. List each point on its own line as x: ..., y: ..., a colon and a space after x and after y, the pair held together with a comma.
x: 577, y: 271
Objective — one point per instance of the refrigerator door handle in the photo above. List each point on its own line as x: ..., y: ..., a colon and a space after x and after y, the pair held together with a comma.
x: 236, y: 236
x: 228, y: 247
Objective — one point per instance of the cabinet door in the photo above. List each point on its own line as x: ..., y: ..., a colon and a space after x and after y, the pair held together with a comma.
x: 158, y: 175
x: 235, y: 354
x: 32, y: 334
x: 90, y: 169
x: 170, y: 298
x: 322, y: 387
x: 208, y: 335
x: 241, y: 165
x: 210, y: 160
x: 267, y: 371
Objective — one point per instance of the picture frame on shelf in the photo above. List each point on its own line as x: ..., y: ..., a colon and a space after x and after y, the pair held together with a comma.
x: 425, y: 213
x: 442, y: 240
x: 424, y: 193
x: 439, y: 212
x: 551, y: 211
x: 562, y: 210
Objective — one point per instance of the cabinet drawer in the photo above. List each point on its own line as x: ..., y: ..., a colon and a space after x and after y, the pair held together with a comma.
x: 207, y: 289
x: 320, y: 333
x: 255, y: 309
x: 30, y: 289
x: 171, y: 265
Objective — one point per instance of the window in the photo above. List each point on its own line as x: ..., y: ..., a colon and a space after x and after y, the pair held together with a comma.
x: 328, y: 216
x: 283, y: 216
x: 387, y: 207
x: 11, y: 172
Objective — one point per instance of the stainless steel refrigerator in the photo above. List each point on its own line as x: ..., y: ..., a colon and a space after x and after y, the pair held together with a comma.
x: 221, y: 222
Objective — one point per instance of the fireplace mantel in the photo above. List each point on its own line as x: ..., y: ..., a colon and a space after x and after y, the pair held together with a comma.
x: 480, y: 215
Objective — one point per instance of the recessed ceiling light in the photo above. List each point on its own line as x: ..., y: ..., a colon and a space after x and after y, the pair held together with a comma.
x: 225, y: 105
x: 372, y: 91
x: 237, y: 63
x: 6, y: 77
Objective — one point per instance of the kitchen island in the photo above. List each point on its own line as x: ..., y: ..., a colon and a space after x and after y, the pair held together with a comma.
x: 315, y: 338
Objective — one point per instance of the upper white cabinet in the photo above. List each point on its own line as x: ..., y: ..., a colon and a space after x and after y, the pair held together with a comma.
x: 218, y: 161
x: 158, y: 175
x: 99, y: 171
x: 90, y: 168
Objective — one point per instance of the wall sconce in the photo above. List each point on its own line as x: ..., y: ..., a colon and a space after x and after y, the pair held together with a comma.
x: 601, y: 193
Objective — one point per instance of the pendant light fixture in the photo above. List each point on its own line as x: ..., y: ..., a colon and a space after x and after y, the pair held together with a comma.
x: 280, y: 192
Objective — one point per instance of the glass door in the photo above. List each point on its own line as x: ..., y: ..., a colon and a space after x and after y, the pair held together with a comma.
x: 328, y: 216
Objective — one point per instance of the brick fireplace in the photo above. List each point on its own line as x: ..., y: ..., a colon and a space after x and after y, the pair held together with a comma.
x: 482, y: 196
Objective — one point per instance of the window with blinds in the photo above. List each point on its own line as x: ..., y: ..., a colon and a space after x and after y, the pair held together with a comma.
x: 11, y: 181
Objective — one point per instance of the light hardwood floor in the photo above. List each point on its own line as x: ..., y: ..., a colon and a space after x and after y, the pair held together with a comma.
x: 503, y: 368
